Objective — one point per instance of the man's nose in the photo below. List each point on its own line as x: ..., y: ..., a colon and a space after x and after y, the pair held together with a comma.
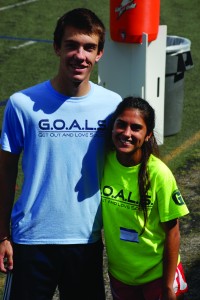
x: 80, y: 53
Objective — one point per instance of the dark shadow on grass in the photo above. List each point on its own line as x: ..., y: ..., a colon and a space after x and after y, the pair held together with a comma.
x: 193, y: 280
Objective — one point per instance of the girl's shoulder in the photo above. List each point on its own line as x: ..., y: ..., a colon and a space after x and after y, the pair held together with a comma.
x: 158, y: 167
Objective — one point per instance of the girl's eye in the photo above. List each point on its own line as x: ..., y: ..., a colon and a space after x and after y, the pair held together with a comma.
x: 136, y: 127
x: 121, y: 124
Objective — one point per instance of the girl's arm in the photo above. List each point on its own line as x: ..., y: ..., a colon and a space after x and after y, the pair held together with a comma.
x: 170, y: 258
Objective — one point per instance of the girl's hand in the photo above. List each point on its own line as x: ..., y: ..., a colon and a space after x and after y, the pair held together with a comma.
x: 168, y: 294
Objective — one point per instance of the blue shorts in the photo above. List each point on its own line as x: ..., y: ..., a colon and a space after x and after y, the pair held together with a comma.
x: 75, y: 269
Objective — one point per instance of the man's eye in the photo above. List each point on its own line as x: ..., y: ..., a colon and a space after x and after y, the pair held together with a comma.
x: 90, y: 48
x: 70, y: 46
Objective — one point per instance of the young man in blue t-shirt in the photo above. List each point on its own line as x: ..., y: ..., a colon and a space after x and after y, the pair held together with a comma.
x: 59, y: 128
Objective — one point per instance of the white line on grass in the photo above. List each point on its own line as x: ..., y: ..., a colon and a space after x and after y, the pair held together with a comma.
x: 17, y: 4
x: 23, y: 45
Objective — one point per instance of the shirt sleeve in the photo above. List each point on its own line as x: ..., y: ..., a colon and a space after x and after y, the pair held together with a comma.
x: 170, y: 201
x: 12, y: 132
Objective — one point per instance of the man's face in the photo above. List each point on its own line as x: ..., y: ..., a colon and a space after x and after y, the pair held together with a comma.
x: 78, y: 54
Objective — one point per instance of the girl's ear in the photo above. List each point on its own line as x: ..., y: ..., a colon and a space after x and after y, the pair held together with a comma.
x: 148, y: 137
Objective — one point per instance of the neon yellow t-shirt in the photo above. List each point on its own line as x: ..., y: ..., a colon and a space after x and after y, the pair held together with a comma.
x: 135, y: 259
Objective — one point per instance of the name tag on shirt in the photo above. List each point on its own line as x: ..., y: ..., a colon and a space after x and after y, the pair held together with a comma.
x: 129, y: 235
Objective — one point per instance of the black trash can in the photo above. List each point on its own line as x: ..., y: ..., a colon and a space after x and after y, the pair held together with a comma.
x: 178, y: 60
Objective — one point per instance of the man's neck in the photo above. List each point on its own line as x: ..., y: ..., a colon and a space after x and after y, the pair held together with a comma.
x: 71, y: 89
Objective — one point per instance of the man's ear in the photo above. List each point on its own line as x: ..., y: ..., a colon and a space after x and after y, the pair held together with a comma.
x: 56, y: 49
x: 99, y: 55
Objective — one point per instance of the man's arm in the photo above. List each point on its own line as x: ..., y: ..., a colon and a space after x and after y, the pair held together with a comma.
x: 170, y: 258
x: 8, y: 176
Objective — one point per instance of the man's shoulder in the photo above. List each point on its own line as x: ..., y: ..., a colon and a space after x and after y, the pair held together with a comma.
x: 37, y: 87
x: 22, y: 97
x: 104, y: 91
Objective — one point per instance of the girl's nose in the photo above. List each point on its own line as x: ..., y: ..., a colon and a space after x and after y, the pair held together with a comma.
x: 127, y: 131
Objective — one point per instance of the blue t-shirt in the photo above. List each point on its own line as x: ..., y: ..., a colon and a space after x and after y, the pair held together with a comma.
x: 62, y: 140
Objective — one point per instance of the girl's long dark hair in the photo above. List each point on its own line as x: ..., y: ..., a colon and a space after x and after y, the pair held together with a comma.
x: 149, y: 147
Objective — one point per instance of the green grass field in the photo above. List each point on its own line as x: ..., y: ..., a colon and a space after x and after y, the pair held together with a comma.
x: 24, y: 65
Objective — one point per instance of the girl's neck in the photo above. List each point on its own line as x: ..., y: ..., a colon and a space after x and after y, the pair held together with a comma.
x: 128, y: 160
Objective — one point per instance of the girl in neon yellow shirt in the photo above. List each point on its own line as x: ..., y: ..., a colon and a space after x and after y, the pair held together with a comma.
x: 141, y: 206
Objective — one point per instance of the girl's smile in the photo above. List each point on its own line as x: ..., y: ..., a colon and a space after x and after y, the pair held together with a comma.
x: 128, y: 135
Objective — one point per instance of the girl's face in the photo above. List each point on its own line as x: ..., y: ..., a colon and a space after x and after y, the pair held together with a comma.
x: 128, y: 135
